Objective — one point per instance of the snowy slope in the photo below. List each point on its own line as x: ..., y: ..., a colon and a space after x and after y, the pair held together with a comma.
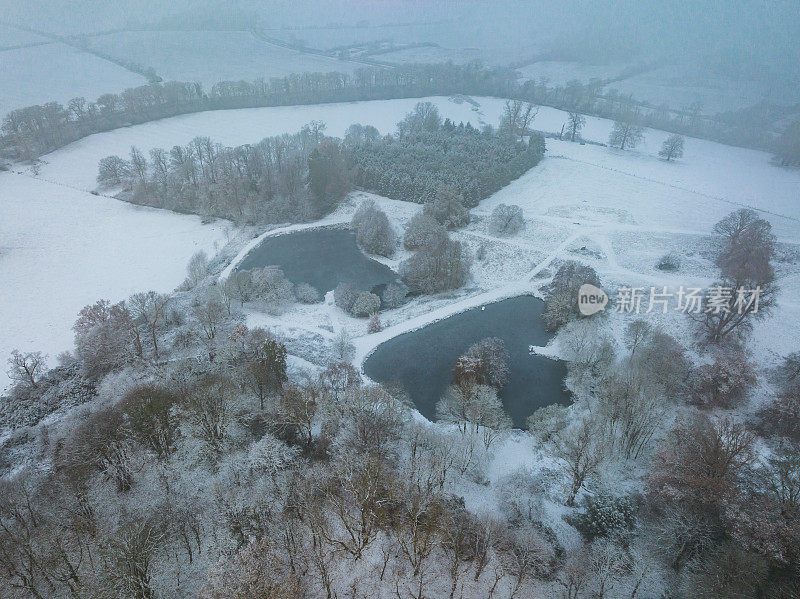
x: 61, y: 249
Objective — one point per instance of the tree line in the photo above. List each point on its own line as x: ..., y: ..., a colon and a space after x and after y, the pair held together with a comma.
x: 30, y: 132
x: 283, y: 178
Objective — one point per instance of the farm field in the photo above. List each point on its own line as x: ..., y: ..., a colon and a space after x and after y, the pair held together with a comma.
x: 209, y: 57
x: 57, y: 72
x: 61, y: 249
x: 11, y: 36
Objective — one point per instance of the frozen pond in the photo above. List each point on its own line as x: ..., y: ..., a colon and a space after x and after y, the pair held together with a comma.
x: 422, y: 361
x: 321, y: 257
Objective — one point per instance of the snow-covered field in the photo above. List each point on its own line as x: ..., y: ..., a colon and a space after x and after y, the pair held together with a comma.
x: 711, y: 180
x: 11, y: 36
x: 212, y: 56
x: 680, y: 85
x: 560, y: 72
x: 57, y: 72
x: 61, y: 249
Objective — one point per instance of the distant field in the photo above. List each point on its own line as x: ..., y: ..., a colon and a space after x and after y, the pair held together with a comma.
x: 681, y: 85
x: 212, y: 56
x: 559, y: 73
x: 57, y: 72
x: 428, y: 54
x: 11, y: 36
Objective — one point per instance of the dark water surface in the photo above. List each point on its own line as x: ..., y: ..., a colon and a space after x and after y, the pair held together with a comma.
x: 422, y: 361
x: 321, y: 257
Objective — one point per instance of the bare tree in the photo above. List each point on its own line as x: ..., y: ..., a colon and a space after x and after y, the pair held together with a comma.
x: 575, y: 122
x: 745, y: 291
x: 626, y: 133
x: 506, y: 220
x: 150, y: 307
x: 26, y: 368
x: 581, y: 449
x: 518, y: 117
x: 672, y: 147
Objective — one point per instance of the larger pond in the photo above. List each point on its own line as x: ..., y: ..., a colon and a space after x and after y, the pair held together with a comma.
x: 320, y: 257
x: 422, y: 361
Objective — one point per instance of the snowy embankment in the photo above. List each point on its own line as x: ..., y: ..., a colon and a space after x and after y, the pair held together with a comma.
x: 61, y: 249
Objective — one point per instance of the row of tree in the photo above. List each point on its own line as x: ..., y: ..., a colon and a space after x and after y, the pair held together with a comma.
x: 30, y: 132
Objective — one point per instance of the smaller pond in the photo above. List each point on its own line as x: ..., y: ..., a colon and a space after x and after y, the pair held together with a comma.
x: 322, y: 258
x: 422, y: 361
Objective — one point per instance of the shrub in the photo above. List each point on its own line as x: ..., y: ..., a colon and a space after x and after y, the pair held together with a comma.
x: 394, y: 295
x: 365, y: 304
x: 345, y: 295
x: 723, y: 383
x: 373, y: 231
x: 420, y: 229
x: 271, y: 286
x: 306, y: 294
x: 506, y: 220
x: 447, y: 208
x: 438, y: 266
x: 669, y: 262
x: 374, y: 325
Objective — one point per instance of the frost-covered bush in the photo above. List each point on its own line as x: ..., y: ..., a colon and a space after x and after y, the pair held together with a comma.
x: 605, y: 515
x: 521, y: 494
x: 438, y: 266
x: 419, y: 229
x: 374, y: 325
x: 669, y: 262
x: 374, y: 233
x: 547, y: 421
x: 394, y: 295
x: 365, y: 304
x: 197, y: 270
x: 447, y: 208
x: 306, y: 294
x: 345, y: 295
x: 724, y: 383
x: 271, y: 286
x: 506, y: 220
x: 342, y: 349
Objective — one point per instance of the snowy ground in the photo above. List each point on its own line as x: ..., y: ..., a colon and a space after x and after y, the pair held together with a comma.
x: 61, y: 249
x: 212, y: 56
x: 57, y: 72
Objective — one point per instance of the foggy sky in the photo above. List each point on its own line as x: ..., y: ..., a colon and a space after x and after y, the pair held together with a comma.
x: 756, y: 34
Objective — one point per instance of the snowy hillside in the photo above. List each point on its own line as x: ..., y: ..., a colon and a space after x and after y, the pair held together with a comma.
x: 61, y: 249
